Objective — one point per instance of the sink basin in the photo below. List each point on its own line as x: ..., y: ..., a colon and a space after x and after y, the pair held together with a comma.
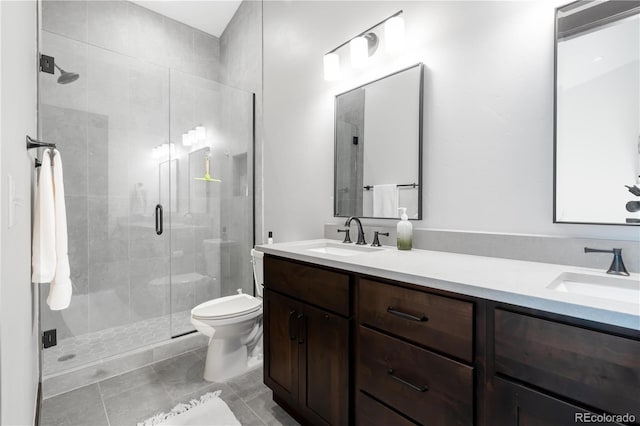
x: 339, y: 249
x: 609, y: 287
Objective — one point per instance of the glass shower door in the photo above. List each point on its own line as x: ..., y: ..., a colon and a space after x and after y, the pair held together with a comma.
x: 111, y: 126
x: 212, y: 205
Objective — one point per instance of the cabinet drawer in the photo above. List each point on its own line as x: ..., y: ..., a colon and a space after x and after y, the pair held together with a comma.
x: 370, y: 412
x: 447, y: 324
x: 320, y: 287
x: 427, y: 387
x: 594, y: 368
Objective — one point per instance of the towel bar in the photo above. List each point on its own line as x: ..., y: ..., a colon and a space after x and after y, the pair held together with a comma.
x: 33, y: 143
x: 402, y: 185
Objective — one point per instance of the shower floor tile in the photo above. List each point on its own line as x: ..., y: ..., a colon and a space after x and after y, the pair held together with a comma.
x: 137, y: 395
x: 86, y: 348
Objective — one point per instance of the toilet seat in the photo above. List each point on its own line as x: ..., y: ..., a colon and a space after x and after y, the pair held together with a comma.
x: 227, y: 307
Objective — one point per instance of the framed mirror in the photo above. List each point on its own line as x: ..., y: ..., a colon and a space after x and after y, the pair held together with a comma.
x: 378, y: 147
x: 597, y: 113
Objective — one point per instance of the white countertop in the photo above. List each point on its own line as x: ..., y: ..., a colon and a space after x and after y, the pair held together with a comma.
x: 504, y: 280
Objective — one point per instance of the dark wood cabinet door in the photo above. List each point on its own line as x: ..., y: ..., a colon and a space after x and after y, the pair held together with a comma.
x: 597, y: 369
x: 516, y: 405
x: 281, y: 349
x: 324, y: 367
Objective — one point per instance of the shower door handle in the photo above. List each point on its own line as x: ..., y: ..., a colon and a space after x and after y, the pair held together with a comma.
x: 159, y: 219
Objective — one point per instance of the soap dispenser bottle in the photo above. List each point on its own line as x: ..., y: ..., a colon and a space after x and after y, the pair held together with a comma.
x: 404, y: 230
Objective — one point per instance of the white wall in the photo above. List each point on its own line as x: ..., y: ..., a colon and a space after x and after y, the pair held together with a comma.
x: 488, y: 123
x: 18, y: 313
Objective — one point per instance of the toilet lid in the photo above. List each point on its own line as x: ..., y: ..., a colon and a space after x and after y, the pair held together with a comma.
x: 227, y: 307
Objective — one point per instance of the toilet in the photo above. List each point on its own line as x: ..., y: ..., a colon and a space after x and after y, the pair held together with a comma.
x: 234, y: 327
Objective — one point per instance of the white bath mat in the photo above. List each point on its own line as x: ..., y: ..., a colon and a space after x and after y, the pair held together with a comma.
x: 208, y: 410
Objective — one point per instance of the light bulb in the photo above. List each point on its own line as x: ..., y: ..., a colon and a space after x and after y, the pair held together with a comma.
x: 359, y: 52
x: 186, y: 140
x: 331, y: 66
x: 156, y: 152
x: 394, y: 34
x: 201, y: 133
x: 193, y: 137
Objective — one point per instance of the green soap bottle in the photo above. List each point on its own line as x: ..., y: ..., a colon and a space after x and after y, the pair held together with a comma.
x: 404, y: 231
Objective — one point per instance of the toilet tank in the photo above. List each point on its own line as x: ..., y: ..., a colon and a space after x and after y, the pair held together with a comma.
x: 258, y: 269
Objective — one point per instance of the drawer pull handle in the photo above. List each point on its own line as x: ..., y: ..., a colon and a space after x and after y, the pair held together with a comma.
x: 406, y: 316
x: 293, y: 325
x: 422, y: 388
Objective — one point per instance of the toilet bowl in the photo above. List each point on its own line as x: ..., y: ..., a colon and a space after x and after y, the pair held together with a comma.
x: 234, y: 327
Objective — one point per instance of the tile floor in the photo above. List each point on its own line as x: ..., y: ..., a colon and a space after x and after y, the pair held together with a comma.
x: 81, y: 350
x: 134, y: 396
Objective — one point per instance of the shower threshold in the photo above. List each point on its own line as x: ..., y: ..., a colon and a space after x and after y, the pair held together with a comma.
x: 76, y: 351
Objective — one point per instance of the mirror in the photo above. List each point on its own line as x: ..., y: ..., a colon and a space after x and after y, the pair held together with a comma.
x: 597, y: 121
x: 378, y: 147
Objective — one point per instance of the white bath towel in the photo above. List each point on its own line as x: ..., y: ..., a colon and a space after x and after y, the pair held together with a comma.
x: 61, y: 288
x: 385, y: 200
x: 43, y: 258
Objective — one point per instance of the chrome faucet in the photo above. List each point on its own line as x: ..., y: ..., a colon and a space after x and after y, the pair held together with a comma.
x: 361, y: 241
x: 617, y: 266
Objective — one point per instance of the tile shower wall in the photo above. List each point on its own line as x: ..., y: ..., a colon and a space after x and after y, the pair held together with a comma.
x: 106, y: 124
x: 241, y: 56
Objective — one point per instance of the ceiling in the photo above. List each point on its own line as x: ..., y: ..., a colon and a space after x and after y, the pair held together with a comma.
x: 210, y: 16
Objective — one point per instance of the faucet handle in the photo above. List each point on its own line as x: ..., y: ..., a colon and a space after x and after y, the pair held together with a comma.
x: 376, y: 241
x: 617, y: 265
x: 634, y: 189
x: 347, y: 238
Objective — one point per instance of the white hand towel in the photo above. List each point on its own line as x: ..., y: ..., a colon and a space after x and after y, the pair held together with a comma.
x: 43, y: 258
x: 385, y: 200
x: 61, y: 288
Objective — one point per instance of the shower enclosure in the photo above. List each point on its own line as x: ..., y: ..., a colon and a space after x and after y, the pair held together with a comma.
x: 158, y: 176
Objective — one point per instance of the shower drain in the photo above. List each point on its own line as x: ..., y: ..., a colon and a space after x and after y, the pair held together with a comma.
x: 66, y: 357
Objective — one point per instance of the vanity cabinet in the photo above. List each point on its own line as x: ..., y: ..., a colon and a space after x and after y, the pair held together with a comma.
x: 307, y: 343
x: 344, y: 348
x: 415, y: 355
x: 547, y: 370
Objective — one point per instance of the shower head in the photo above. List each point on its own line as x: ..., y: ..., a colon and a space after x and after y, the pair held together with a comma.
x: 66, y: 77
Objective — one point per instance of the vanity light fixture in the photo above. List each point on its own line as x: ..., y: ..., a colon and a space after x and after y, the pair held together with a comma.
x: 359, y: 52
x: 331, y: 66
x: 194, y: 136
x: 365, y: 44
x: 394, y: 34
x: 164, y: 150
x: 201, y: 133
